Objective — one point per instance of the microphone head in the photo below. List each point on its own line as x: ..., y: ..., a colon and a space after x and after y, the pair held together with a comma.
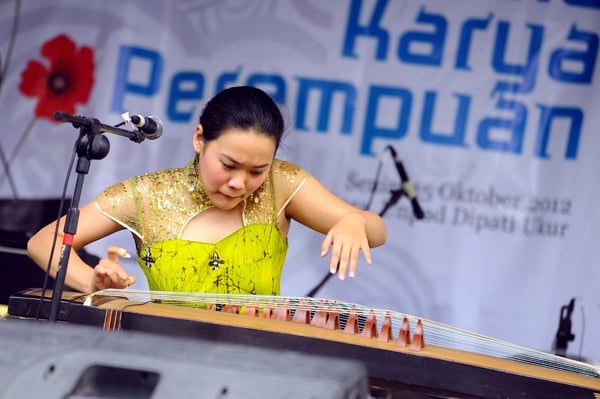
x: 159, y: 128
x: 59, y: 116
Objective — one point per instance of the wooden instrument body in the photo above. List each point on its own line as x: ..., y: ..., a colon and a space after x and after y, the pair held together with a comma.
x: 393, y: 370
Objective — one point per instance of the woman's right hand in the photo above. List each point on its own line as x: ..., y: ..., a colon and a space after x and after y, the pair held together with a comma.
x: 108, y: 273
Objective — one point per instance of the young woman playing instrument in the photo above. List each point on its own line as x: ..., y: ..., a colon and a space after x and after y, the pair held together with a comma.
x: 220, y: 223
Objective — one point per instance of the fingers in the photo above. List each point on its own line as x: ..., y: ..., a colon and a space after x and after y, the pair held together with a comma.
x: 327, y: 242
x: 344, y: 256
x: 367, y: 252
x: 108, y: 273
x: 114, y: 252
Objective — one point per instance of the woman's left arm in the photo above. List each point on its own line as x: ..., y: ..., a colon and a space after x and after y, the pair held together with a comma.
x: 348, y: 229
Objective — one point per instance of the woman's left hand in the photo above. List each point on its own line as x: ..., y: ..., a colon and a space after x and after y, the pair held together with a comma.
x: 346, y: 239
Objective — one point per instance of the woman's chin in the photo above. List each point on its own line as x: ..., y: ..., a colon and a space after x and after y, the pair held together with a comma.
x: 225, y: 202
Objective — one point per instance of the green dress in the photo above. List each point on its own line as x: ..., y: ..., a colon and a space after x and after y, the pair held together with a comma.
x: 156, y: 207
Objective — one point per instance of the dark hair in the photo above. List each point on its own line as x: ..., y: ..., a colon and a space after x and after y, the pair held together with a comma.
x: 242, y: 107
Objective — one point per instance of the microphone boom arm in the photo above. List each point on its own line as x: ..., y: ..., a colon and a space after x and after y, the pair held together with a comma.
x: 79, y: 121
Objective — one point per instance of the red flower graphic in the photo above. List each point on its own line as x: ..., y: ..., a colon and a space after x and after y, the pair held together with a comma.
x: 67, y: 81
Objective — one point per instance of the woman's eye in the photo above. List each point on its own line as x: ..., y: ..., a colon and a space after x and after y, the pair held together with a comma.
x: 228, y: 167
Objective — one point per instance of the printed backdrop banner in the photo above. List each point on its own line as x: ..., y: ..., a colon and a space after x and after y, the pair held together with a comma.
x: 491, y: 107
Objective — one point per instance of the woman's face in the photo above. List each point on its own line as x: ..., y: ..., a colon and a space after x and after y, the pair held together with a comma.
x: 234, y: 165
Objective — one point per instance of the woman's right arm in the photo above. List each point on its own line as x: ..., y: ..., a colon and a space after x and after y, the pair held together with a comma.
x: 92, y: 225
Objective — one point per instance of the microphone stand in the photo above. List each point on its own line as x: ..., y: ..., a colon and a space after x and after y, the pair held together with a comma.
x: 91, y: 144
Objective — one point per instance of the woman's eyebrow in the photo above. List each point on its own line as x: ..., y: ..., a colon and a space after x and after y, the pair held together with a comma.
x: 230, y: 159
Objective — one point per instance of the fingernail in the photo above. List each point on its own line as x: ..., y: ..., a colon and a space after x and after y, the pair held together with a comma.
x: 126, y: 255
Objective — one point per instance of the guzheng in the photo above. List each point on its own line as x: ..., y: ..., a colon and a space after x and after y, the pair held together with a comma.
x: 402, y: 353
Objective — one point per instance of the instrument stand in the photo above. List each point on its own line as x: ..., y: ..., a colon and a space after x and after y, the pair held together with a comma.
x: 91, y: 144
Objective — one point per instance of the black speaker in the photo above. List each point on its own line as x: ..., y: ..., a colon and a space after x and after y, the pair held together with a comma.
x: 19, y: 220
x: 54, y: 360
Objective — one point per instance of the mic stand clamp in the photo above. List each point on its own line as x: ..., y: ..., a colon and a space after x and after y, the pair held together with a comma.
x: 394, y: 198
x: 91, y: 144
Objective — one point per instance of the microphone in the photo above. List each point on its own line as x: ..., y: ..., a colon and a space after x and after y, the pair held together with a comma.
x: 564, y: 334
x: 151, y: 126
x: 407, y: 186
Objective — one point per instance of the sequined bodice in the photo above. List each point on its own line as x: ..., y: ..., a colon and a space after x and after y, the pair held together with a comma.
x: 157, y: 206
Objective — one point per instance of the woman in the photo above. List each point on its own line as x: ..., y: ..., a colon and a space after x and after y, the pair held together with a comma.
x: 220, y: 223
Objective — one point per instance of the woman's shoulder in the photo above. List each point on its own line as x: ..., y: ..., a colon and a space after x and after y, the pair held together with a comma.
x: 287, y: 170
x: 126, y: 189
x: 288, y: 178
x: 159, y: 177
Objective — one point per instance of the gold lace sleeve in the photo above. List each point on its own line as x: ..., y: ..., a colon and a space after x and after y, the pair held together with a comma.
x: 288, y: 179
x: 117, y: 203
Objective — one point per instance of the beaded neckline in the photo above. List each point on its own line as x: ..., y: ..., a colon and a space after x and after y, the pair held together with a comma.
x: 194, y: 185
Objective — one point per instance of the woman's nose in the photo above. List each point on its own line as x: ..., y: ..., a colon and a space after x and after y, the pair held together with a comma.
x: 237, y: 181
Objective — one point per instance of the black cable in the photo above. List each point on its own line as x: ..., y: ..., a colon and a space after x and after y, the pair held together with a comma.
x: 582, y: 330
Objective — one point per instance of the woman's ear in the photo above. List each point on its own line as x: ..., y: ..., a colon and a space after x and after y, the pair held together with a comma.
x: 197, y: 142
